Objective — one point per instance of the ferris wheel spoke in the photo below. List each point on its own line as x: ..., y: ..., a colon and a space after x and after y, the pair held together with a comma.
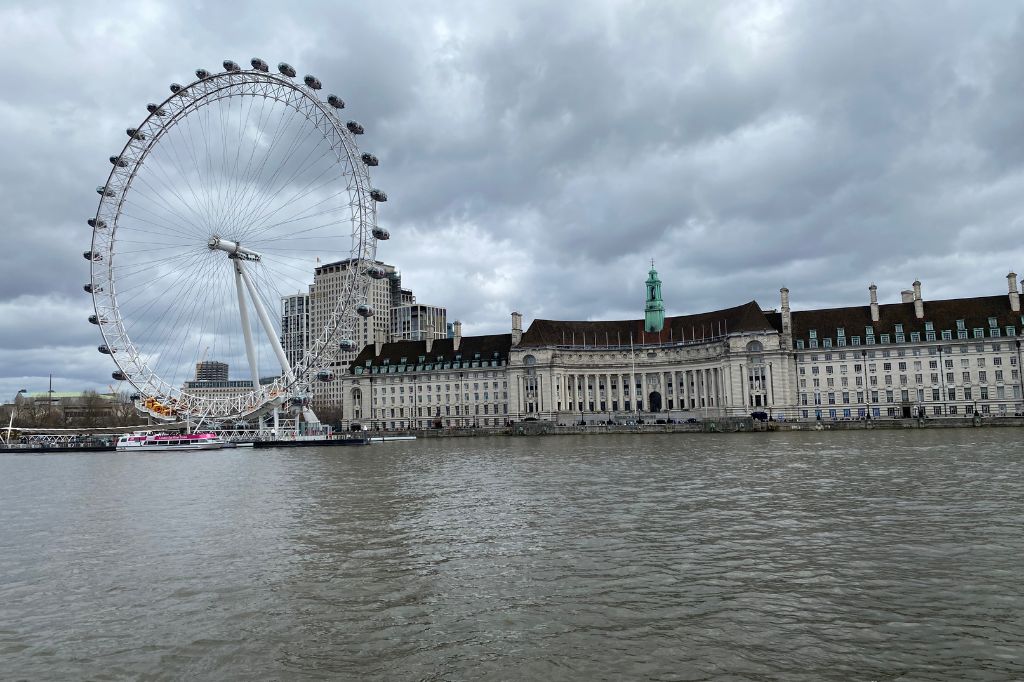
x: 167, y: 204
x: 304, y: 215
x: 141, y: 274
x: 172, y: 328
x: 301, y: 167
x: 201, y: 179
x: 244, y: 180
x: 292, y: 200
x: 254, y: 173
x: 198, y: 221
x: 174, y: 157
x: 148, y: 298
x: 253, y: 202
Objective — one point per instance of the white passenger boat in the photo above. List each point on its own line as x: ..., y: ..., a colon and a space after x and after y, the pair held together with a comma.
x: 159, y: 442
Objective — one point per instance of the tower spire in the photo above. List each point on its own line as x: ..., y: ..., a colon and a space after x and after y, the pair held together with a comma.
x: 654, y: 309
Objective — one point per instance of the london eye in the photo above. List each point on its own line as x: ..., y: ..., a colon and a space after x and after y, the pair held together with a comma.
x: 218, y: 205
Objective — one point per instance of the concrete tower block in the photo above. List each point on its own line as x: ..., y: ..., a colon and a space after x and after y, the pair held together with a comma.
x: 918, y: 301
x: 873, y: 290
x: 1011, y: 284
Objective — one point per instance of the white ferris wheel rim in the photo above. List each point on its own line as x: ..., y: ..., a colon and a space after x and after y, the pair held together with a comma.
x: 187, y: 101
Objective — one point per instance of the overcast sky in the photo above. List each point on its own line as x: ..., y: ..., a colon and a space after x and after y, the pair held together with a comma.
x: 538, y: 154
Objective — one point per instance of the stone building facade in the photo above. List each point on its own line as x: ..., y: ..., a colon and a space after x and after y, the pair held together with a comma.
x: 944, y: 358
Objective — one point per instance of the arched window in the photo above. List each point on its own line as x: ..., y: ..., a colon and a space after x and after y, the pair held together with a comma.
x: 755, y: 347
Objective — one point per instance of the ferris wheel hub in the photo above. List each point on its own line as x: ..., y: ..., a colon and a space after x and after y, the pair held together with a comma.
x: 234, y: 249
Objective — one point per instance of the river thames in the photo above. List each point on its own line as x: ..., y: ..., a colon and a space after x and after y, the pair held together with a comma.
x: 804, y: 556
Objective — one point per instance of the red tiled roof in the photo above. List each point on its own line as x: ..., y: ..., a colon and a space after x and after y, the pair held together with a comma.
x: 742, y: 318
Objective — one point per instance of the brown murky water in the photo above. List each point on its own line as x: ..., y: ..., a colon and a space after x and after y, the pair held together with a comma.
x: 869, y: 555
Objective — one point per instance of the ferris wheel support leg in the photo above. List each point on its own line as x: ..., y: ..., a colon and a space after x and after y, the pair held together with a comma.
x: 268, y: 327
x: 250, y: 350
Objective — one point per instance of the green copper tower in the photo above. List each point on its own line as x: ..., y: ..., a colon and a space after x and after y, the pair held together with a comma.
x: 654, y: 310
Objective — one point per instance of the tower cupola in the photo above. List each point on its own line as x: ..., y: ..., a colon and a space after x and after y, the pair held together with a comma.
x: 654, y: 309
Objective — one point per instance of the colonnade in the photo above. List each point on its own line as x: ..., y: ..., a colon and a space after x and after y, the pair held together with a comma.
x: 691, y: 389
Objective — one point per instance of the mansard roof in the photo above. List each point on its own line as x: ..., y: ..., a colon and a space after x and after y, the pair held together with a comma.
x: 943, y: 314
x: 442, y: 350
x: 743, y: 318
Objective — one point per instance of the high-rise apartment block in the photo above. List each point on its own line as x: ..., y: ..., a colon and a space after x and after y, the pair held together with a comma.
x: 396, y: 315
x: 211, y: 370
x: 295, y: 326
x: 416, y: 322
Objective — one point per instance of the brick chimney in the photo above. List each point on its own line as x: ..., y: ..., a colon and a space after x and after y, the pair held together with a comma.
x: 918, y: 301
x: 1011, y: 283
x: 517, y: 328
x: 457, y: 339
x: 874, y: 302
x: 428, y: 335
x: 378, y: 342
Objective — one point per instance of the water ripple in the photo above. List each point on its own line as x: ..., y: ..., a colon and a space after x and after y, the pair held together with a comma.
x: 672, y: 557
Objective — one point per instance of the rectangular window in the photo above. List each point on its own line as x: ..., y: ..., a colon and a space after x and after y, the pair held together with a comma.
x: 827, y: 343
x: 979, y: 333
x: 855, y: 340
x: 915, y: 337
x: 947, y: 335
x: 840, y: 332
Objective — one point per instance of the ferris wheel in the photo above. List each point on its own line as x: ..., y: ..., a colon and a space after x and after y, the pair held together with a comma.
x: 222, y: 202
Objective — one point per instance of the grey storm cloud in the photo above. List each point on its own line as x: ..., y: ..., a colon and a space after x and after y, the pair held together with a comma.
x: 537, y: 154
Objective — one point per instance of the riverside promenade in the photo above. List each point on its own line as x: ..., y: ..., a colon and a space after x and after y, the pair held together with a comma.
x: 711, y: 425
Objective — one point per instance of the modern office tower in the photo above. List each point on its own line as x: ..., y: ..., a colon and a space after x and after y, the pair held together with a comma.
x: 416, y: 321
